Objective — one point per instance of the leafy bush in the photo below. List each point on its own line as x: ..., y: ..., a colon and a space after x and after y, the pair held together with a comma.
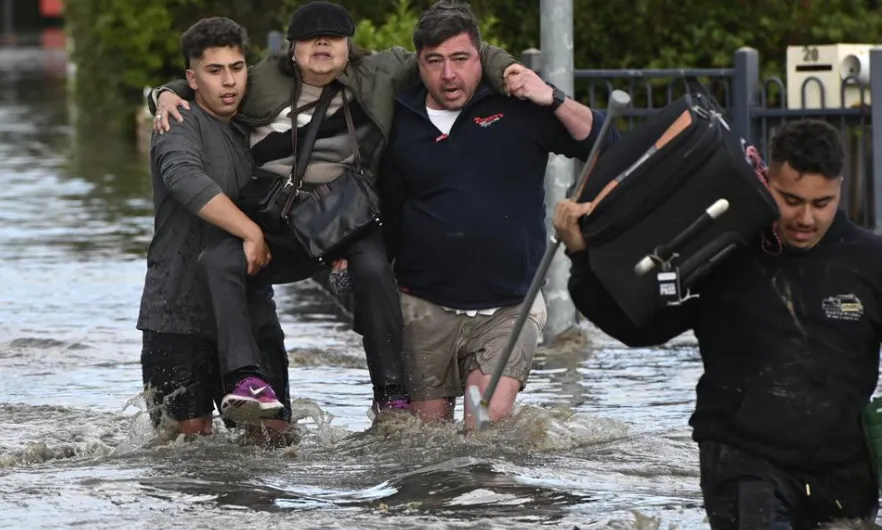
x: 398, y: 26
x: 121, y: 47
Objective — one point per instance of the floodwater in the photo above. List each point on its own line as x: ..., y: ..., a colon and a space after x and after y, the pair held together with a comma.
x: 599, y: 440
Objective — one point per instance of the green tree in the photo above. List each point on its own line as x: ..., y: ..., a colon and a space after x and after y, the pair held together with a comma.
x: 116, y: 51
x: 121, y: 47
x: 397, y: 27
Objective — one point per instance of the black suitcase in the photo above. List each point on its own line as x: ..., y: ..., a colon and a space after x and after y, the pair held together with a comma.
x: 652, y: 189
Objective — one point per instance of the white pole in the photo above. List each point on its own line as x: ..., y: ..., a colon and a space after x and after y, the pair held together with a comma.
x: 557, y: 68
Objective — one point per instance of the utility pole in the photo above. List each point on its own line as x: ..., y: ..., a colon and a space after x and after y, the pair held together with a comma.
x: 557, y: 68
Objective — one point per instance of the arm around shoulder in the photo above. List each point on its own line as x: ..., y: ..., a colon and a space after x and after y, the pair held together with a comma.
x: 495, y: 61
x: 397, y: 62
x: 178, y: 86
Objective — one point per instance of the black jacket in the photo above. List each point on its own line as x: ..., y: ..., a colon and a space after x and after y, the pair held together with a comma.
x: 790, y: 345
x: 464, y: 214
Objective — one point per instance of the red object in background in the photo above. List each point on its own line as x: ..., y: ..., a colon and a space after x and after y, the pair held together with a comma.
x: 53, y: 39
x: 51, y: 8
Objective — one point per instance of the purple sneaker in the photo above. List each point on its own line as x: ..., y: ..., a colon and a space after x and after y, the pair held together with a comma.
x: 252, y: 399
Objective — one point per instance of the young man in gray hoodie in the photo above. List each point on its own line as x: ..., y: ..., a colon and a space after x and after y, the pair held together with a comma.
x: 197, y: 170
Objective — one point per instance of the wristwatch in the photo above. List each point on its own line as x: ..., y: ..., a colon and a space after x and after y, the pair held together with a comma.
x: 557, y: 97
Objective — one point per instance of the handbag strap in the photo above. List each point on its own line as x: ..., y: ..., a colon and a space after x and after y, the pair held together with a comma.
x: 353, y: 140
x: 301, y: 160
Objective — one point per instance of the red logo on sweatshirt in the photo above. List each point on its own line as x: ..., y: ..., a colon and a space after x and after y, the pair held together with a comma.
x: 489, y: 120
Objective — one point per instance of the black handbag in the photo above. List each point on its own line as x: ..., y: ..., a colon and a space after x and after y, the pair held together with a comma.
x: 264, y: 198
x: 325, y: 219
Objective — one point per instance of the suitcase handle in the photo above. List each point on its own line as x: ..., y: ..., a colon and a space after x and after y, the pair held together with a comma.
x: 663, y: 254
x: 683, y: 122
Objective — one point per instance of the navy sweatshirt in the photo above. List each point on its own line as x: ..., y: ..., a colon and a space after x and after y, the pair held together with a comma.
x: 464, y: 214
x: 789, y: 342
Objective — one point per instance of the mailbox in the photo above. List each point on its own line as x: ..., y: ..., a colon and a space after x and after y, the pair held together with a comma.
x: 820, y: 73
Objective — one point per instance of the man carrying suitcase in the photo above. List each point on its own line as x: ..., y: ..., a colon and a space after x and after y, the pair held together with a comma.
x: 789, y: 336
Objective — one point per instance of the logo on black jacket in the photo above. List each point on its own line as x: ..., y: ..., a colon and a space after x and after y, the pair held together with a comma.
x: 843, y: 307
x: 489, y: 120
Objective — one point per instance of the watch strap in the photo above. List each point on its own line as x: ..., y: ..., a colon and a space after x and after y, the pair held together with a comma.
x: 558, y: 97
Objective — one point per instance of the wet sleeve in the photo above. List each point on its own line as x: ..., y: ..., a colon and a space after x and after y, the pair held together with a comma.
x: 495, y: 61
x: 397, y: 62
x: 390, y: 187
x: 177, y: 155
x: 597, y: 305
x: 553, y: 136
x: 178, y: 86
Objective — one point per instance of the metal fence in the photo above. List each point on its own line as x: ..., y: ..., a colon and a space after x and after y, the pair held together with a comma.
x: 755, y: 108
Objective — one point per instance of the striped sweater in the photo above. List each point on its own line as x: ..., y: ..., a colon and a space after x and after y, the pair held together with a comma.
x: 271, y: 145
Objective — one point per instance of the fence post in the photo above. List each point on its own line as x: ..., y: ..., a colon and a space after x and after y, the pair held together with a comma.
x: 876, y: 146
x: 745, y: 88
x: 556, y: 31
x: 532, y: 59
x: 275, y: 42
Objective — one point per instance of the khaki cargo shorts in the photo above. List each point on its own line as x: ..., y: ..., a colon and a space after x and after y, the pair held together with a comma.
x: 441, y: 347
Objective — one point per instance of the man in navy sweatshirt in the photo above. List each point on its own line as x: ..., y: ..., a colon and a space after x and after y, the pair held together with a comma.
x: 462, y: 187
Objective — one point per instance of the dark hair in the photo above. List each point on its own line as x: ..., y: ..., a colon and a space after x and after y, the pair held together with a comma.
x: 213, y: 32
x: 809, y: 146
x: 444, y: 20
x: 287, y: 66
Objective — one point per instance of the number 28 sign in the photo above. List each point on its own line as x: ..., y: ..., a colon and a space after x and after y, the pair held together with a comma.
x: 809, y: 54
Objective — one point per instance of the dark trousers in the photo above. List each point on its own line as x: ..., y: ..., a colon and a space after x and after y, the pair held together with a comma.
x: 377, y: 313
x: 743, y: 491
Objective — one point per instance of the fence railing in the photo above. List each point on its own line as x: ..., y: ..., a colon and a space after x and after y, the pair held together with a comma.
x: 756, y: 107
